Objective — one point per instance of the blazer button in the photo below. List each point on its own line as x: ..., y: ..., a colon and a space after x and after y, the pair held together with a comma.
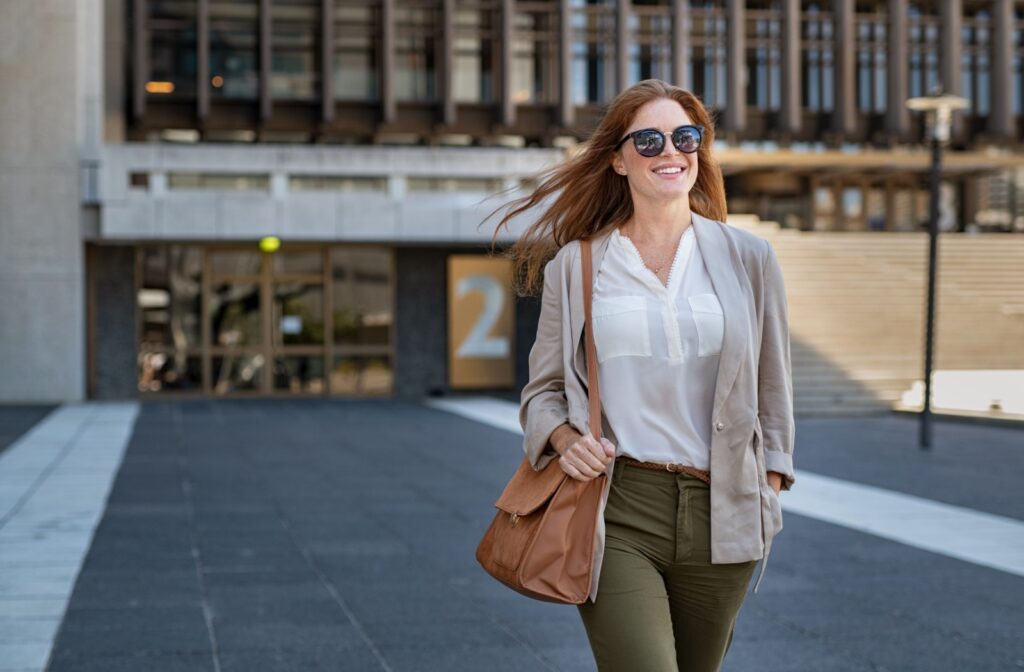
x: 720, y: 426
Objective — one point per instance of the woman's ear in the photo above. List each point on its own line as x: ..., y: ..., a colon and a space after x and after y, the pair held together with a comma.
x: 617, y: 164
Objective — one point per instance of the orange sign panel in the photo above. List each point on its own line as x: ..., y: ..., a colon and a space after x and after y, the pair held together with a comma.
x: 481, y: 322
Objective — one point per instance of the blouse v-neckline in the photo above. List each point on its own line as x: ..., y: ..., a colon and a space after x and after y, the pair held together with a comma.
x: 682, y: 253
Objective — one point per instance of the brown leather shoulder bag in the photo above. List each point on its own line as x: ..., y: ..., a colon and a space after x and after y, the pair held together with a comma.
x: 541, y: 541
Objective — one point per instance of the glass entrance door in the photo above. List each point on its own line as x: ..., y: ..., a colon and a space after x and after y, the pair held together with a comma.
x: 228, y: 320
x: 265, y: 321
x: 297, y: 325
x: 234, y: 359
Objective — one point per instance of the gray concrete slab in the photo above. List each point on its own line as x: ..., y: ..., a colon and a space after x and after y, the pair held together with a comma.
x: 339, y: 535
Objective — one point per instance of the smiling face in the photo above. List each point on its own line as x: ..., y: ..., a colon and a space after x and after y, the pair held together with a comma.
x: 647, y: 176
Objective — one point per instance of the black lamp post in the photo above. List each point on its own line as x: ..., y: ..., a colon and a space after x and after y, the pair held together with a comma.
x: 938, y: 109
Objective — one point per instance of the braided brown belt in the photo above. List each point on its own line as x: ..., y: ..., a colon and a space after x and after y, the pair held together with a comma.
x: 673, y: 468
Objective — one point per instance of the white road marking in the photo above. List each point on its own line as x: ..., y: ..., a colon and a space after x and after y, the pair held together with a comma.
x: 487, y: 410
x: 973, y: 536
x: 54, y: 484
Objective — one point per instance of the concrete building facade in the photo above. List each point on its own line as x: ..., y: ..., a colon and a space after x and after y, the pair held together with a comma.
x: 372, y: 137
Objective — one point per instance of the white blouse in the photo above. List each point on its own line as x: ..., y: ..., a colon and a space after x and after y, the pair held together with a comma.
x: 658, y: 349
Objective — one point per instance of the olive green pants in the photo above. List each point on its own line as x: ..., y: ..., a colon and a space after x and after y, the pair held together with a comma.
x: 661, y: 605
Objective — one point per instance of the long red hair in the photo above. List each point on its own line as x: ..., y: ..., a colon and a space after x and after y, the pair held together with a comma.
x: 590, y: 196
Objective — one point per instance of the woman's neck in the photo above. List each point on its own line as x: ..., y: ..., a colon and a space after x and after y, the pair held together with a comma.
x: 658, y: 225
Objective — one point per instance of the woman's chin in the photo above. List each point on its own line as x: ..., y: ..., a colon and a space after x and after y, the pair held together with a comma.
x: 674, y: 192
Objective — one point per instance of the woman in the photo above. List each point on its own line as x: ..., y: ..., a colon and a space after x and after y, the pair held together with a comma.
x: 691, y: 330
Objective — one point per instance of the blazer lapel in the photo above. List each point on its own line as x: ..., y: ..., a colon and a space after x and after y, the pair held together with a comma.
x: 599, y: 245
x: 714, y: 248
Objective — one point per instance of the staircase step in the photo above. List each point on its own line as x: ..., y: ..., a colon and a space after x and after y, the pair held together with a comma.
x: 857, y: 310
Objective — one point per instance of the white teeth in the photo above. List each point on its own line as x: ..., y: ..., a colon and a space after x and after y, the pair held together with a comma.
x: 664, y: 171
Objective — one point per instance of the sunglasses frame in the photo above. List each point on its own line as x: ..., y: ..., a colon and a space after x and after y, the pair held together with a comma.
x: 664, y: 140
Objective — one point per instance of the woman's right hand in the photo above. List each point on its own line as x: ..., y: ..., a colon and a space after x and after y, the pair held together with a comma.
x: 586, y: 458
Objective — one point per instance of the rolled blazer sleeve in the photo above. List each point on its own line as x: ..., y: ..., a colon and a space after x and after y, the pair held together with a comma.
x: 775, y: 379
x: 543, y: 405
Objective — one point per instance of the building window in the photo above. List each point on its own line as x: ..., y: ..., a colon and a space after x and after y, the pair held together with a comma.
x: 593, y: 51
x: 296, y: 31
x: 924, y: 46
x: 1018, y: 62
x: 476, y: 42
x: 535, y: 53
x: 234, y: 52
x: 650, y: 49
x: 417, y: 39
x: 818, y: 30
x: 976, y: 39
x: 450, y: 184
x: 764, y: 60
x: 709, y: 35
x: 871, y: 31
x: 218, y: 181
x: 298, y: 317
x: 172, y: 48
x: 337, y: 183
x: 356, y: 49
x: 362, y: 321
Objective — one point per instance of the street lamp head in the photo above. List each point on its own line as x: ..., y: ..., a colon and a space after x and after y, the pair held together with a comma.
x: 925, y: 103
x: 939, y: 110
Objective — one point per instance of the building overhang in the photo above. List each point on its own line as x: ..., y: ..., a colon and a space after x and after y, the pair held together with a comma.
x: 869, y: 161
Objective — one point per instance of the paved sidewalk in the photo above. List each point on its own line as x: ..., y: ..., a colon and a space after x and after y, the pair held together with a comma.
x: 339, y: 535
x: 53, y: 483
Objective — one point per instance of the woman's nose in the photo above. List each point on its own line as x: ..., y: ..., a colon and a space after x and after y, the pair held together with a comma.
x: 670, y: 148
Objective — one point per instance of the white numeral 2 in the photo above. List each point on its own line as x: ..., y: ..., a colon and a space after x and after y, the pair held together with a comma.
x: 478, y: 343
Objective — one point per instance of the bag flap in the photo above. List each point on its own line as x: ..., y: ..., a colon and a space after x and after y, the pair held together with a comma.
x: 528, y: 489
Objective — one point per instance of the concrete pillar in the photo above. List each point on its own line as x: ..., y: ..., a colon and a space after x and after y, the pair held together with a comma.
x: 115, y: 43
x: 568, y: 112
x: 112, y: 324
x: 266, y: 53
x: 838, y: 213
x: 90, y: 73
x: 389, y: 110
x: 508, y: 104
x: 970, y: 199
x: 845, y: 103
x: 950, y: 56
x: 890, y: 206
x: 792, y: 114
x: 203, y: 58
x: 447, y: 70
x: 681, y: 43
x: 327, y: 60
x: 623, y: 10
x: 1000, y: 119
x: 140, y: 57
x: 42, y: 326
x: 897, y: 116
x: 736, y: 66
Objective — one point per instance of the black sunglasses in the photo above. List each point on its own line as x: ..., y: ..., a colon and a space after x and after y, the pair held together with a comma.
x: 650, y: 141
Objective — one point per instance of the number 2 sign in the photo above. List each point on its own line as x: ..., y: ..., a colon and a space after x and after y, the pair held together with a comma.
x: 480, y: 322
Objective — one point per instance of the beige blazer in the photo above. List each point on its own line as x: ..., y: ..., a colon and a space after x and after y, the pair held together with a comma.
x: 752, y: 418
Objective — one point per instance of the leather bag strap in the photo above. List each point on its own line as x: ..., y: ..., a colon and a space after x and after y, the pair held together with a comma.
x: 594, y: 392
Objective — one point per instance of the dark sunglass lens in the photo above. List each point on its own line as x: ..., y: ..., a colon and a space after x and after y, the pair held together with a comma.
x: 687, y: 139
x: 649, y: 143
